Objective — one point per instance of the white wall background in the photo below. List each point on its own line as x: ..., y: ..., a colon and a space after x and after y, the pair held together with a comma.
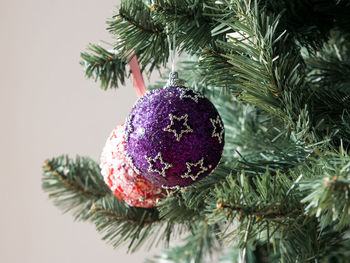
x: 48, y: 107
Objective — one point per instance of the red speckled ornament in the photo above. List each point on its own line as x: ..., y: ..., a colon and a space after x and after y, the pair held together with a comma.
x: 134, y: 189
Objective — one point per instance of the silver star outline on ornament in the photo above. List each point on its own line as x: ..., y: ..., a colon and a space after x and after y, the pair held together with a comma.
x: 175, y: 187
x: 194, y: 165
x: 152, y: 161
x: 217, y: 125
x: 128, y: 127
x: 190, y: 94
x: 131, y: 163
x: 182, y: 131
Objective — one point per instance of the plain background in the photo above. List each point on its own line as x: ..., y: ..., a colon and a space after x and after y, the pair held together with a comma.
x: 48, y: 107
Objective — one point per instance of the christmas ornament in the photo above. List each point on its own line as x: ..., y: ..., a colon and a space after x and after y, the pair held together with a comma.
x: 174, y: 136
x: 134, y: 189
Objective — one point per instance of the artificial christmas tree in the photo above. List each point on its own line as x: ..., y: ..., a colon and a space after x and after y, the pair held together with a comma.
x: 278, y: 73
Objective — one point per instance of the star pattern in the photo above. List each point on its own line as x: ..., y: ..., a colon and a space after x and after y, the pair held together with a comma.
x: 190, y: 94
x: 128, y: 127
x: 185, y: 129
x: 217, y: 125
x: 175, y: 187
x: 152, y: 161
x: 131, y: 163
x: 189, y: 171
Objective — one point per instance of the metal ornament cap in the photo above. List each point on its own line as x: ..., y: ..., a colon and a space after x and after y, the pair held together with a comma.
x: 174, y: 80
x: 174, y: 136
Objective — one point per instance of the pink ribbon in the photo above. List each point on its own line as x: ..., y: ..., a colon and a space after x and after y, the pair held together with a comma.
x: 136, y: 75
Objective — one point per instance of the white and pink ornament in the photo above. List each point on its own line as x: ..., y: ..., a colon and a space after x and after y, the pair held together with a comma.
x: 126, y: 185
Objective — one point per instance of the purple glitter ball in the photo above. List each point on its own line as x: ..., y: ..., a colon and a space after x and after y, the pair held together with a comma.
x: 174, y: 137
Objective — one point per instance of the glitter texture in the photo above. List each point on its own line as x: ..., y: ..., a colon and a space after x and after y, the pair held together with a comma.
x: 190, y: 147
x: 134, y: 189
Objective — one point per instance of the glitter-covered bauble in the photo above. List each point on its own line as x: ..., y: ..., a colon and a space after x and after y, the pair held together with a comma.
x: 174, y: 136
x: 134, y: 189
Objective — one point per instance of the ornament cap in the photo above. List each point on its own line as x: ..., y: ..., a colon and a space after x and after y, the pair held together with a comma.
x: 174, y: 80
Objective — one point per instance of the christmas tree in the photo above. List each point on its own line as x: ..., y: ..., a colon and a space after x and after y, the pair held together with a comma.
x: 278, y: 72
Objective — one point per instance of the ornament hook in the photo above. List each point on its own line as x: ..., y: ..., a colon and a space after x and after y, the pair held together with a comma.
x: 173, y: 76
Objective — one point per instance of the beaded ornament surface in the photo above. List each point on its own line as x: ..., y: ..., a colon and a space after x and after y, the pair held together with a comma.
x: 175, y: 136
